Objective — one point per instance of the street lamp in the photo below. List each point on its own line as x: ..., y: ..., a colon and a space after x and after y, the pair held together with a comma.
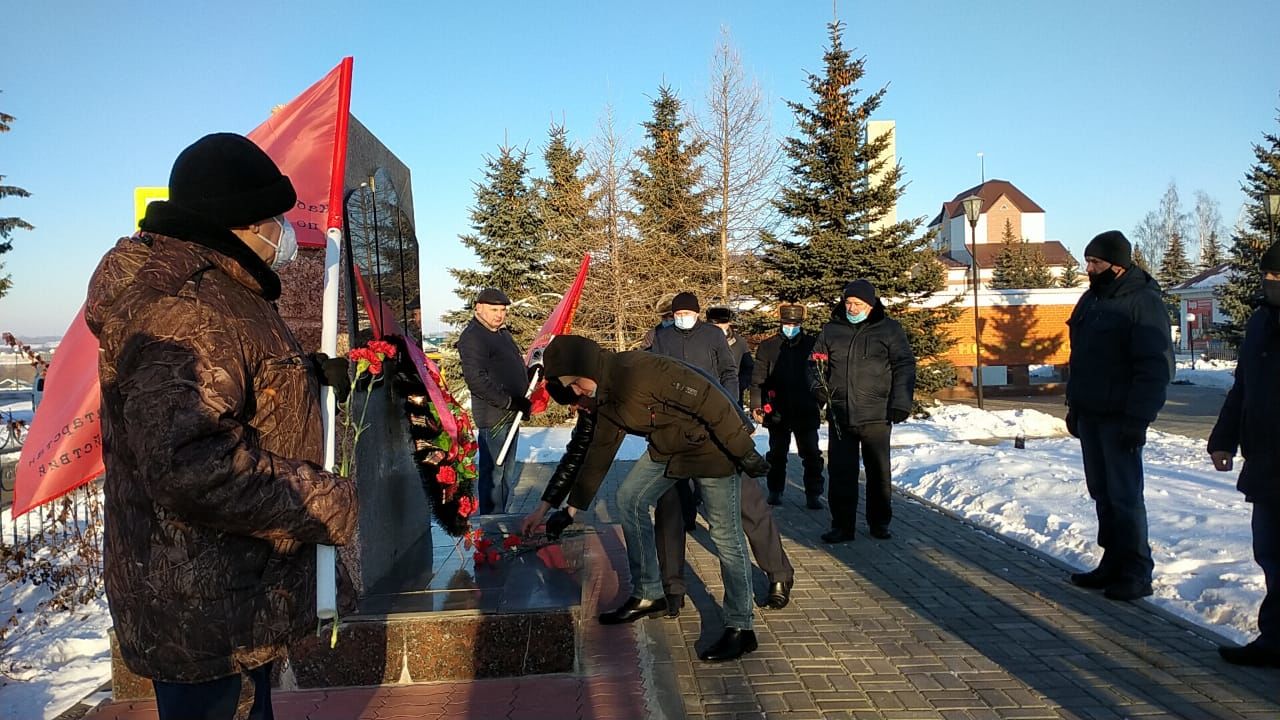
x: 1271, y: 204
x: 972, y: 209
x: 1191, y: 338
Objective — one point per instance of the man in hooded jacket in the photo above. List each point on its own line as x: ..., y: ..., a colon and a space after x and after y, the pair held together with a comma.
x: 862, y: 368
x: 1250, y: 422
x: 211, y: 437
x: 694, y: 430
x: 1120, y: 367
x: 783, y: 402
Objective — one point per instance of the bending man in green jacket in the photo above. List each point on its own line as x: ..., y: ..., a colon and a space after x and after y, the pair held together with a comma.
x: 694, y: 431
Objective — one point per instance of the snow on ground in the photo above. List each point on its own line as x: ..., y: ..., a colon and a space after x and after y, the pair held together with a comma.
x: 1206, y: 373
x: 1199, y: 528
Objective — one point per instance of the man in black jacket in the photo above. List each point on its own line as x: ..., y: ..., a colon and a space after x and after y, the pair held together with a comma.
x: 697, y: 343
x: 722, y: 317
x: 1120, y: 366
x: 494, y: 370
x: 863, y: 369
x: 782, y: 401
x: 694, y: 431
x: 1250, y: 422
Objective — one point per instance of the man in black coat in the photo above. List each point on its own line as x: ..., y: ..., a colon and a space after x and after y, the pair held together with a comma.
x: 494, y: 370
x: 782, y: 401
x: 1250, y: 422
x: 722, y: 317
x: 862, y: 367
x: 694, y: 430
x: 697, y: 343
x: 1120, y: 366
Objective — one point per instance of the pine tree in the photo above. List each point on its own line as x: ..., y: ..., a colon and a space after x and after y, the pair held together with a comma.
x: 1010, y: 269
x: 1070, y: 276
x: 506, y: 242
x: 673, y: 217
x: 835, y: 206
x: 1175, y: 268
x: 9, y: 224
x: 1240, y: 295
x: 1036, y: 272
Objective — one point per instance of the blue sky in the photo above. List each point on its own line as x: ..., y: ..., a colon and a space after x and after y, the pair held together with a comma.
x: 1091, y: 108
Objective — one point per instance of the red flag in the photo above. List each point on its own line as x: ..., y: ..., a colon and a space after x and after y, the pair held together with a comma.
x: 559, y: 322
x: 308, y: 140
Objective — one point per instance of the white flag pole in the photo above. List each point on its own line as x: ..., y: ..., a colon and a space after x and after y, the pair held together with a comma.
x: 326, y: 555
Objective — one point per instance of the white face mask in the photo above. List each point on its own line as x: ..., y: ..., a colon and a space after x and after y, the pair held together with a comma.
x: 685, y: 322
x: 286, y: 248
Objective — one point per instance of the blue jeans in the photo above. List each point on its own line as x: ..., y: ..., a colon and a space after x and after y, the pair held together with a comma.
x: 493, y: 496
x: 215, y: 699
x: 722, y: 506
x: 1266, y: 552
x: 1113, y: 475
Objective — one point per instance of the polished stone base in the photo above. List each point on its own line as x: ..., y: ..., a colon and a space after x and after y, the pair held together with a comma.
x: 447, y: 618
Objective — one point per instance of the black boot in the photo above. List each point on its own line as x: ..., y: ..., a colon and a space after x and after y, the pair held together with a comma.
x: 838, y: 535
x: 1095, y: 579
x: 775, y: 497
x: 779, y: 595
x: 813, y: 502
x: 675, y: 603
x: 634, y: 609
x: 1128, y: 588
x: 881, y: 532
x: 1252, y: 654
x: 733, y: 644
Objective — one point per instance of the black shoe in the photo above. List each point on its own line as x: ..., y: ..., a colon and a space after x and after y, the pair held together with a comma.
x: 634, y: 609
x: 733, y: 644
x: 779, y: 595
x: 837, y: 535
x: 775, y: 498
x: 1252, y: 654
x: 813, y: 502
x: 1128, y: 589
x: 1095, y: 579
x: 675, y: 603
x: 881, y: 532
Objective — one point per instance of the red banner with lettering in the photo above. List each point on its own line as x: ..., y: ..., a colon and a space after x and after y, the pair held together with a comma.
x: 308, y: 140
x: 559, y: 322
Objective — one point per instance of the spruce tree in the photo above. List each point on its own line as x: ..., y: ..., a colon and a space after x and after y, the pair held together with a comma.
x: 1070, y: 276
x: 836, y: 204
x: 1010, y: 269
x: 566, y: 204
x: 1174, y: 267
x: 1240, y: 295
x: 506, y: 242
x: 673, y: 218
x: 9, y: 224
x: 1036, y: 272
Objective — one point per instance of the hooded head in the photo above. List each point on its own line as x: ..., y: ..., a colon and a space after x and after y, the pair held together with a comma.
x: 568, y: 357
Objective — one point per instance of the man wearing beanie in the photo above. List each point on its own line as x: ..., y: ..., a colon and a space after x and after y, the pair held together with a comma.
x: 1121, y: 363
x: 863, y: 369
x: 1250, y: 422
x: 211, y: 437
x: 722, y: 317
x: 782, y: 401
x: 694, y: 430
x: 494, y: 370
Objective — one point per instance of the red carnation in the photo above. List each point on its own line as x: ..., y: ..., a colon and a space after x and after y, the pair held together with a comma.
x: 494, y: 557
x: 772, y: 394
x: 510, y: 542
x: 480, y: 558
x: 767, y: 409
x: 483, y: 544
x: 820, y: 357
x: 383, y: 348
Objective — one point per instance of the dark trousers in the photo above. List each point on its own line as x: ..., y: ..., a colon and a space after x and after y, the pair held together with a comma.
x: 215, y: 699
x: 1113, y: 475
x: 1266, y: 552
x: 844, y: 446
x: 810, y: 457
x: 757, y: 524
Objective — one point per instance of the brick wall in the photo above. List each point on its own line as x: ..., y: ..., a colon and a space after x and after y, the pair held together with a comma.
x: 1002, y: 210
x: 1013, y: 335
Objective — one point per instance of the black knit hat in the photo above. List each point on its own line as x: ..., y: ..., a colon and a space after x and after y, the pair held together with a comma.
x: 572, y: 356
x: 719, y: 314
x: 791, y: 313
x: 230, y: 181
x: 1111, y: 246
x: 1270, y: 260
x: 685, y: 301
x: 861, y: 289
x: 492, y: 296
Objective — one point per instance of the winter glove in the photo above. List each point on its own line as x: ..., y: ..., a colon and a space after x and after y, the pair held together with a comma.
x: 334, y: 372
x: 1133, y: 434
x: 520, y: 404
x: 754, y: 464
x: 1073, y: 426
x: 557, y: 523
x: 896, y: 416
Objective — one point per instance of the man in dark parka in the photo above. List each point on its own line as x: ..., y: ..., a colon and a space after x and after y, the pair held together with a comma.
x: 783, y: 402
x: 1250, y: 422
x: 1120, y: 367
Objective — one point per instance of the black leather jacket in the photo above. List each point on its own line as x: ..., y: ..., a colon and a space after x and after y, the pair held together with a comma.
x: 575, y: 453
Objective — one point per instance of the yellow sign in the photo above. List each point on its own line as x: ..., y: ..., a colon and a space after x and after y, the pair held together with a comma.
x: 144, y: 196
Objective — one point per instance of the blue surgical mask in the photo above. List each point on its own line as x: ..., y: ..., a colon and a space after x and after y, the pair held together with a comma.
x: 685, y: 322
x: 286, y: 247
x: 668, y: 322
x: 856, y: 318
x: 790, y: 331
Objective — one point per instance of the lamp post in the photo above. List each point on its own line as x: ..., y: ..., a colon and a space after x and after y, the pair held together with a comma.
x: 1271, y: 204
x: 972, y: 209
x: 1191, y: 338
